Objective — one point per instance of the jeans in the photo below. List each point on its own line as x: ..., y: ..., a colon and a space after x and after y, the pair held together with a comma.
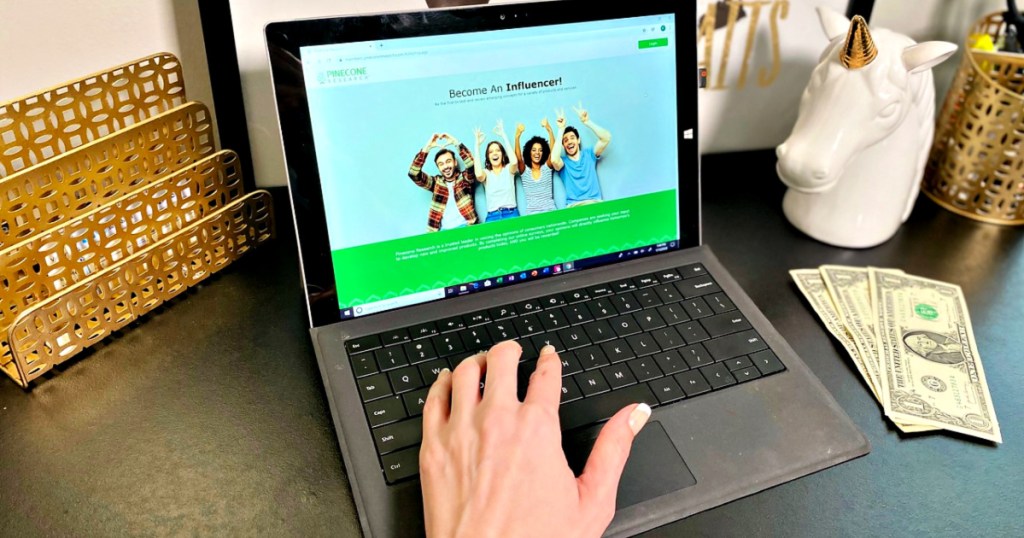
x: 503, y: 213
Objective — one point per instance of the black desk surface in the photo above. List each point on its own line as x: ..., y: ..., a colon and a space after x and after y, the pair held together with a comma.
x: 209, y: 417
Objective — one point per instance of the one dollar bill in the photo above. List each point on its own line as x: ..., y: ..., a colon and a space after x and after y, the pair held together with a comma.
x: 930, y: 369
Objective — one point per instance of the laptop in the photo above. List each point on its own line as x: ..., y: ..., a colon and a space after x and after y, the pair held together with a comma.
x: 420, y: 245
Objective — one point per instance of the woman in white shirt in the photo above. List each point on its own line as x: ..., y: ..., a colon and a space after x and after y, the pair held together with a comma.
x: 497, y: 171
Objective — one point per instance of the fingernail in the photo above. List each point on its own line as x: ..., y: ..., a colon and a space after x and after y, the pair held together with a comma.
x: 547, y: 350
x: 639, y: 417
x: 444, y: 371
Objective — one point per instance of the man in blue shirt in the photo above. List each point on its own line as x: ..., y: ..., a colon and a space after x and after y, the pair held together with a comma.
x: 579, y: 167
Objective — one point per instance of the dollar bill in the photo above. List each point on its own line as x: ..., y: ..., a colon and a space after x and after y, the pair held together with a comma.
x: 810, y: 283
x: 930, y: 366
x: 851, y: 294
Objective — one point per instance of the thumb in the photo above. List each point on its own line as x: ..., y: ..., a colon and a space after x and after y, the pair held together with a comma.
x: 600, y: 479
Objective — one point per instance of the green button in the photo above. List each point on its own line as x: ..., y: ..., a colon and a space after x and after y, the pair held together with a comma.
x: 651, y: 43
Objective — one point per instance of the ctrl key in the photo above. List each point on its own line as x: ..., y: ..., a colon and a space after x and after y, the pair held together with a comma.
x: 401, y: 465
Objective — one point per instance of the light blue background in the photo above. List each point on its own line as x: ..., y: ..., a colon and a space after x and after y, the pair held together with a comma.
x: 367, y: 135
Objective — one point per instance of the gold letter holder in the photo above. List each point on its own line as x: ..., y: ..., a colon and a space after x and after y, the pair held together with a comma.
x: 113, y: 200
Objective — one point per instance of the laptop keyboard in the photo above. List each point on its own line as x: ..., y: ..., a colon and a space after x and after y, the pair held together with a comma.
x: 658, y: 339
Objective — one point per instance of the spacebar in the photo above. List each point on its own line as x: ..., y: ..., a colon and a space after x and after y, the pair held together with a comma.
x: 603, y: 406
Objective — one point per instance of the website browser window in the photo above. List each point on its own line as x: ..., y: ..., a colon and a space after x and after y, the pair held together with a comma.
x: 459, y: 163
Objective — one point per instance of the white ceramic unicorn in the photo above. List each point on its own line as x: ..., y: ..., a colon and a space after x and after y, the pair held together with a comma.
x: 854, y: 161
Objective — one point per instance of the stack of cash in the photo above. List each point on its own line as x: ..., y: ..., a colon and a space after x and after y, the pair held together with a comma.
x: 911, y: 340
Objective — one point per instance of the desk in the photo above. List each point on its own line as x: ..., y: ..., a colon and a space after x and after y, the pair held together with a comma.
x: 209, y: 417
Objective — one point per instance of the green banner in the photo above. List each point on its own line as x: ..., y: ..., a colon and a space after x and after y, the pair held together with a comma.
x: 409, y: 265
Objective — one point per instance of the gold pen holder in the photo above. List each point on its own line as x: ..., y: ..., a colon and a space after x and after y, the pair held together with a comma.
x: 976, y: 165
x: 101, y: 229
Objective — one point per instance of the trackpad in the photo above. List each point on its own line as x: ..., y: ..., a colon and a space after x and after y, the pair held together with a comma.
x: 654, y: 467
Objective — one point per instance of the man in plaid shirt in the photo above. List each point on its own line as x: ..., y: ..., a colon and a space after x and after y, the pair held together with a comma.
x: 446, y: 211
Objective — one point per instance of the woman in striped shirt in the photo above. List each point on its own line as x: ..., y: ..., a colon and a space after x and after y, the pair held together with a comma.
x: 538, y: 183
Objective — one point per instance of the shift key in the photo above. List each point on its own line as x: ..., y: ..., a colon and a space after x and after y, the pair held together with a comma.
x: 734, y: 345
x: 397, y: 436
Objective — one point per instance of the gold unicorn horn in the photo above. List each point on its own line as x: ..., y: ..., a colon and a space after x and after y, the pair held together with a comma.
x: 859, y: 49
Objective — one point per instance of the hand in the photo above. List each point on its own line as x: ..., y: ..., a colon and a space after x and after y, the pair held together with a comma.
x: 492, y: 466
x: 560, y: 118
x: 581, y: 112
x: 520, y: 128
x: 544, y: 123
x: 432, y: 142
x: 479, y: 136
x: 452, y: 141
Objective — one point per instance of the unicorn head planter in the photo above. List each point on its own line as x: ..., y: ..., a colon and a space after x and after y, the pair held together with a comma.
x: 854, y: 160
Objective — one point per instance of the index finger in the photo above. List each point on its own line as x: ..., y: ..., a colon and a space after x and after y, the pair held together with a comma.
x: 502, y: 371
x: 546, y: 382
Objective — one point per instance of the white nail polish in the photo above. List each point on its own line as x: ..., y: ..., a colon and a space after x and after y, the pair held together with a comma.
x: 639, y: 417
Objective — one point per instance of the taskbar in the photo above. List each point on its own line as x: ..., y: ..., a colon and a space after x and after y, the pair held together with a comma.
x: 506, y: 280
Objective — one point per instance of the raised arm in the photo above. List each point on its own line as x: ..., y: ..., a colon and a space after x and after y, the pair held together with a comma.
x: 603, y: 136
x: 499, y: 130
x: 519, y: 151
x: 467, y: 159
x: 478, y: 167
x: 416, y: 173
x: 551, y: 140
x: 556, y: 148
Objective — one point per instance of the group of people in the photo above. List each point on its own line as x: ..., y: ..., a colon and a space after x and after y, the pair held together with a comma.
x: 452, y: 204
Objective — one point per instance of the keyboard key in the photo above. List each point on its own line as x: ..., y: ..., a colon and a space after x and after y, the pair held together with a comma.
x: 524, y: 371
x: 668, y: 338
x: 692, y: 270
x: 390, y: 358
x: 419, y: 351
x: 625, y: 303
x: 401, y: 465
x: 423, y: 330
x: 620, y: 286
x: 431, y: 369
x: 552, y: 301
x: 451, y: 324
x: 476, y: 318
x: 602, y: 308
x: 696, y: 287
x: 696, y: 356
x: 448, y: 344
x: 552, y: 320
x: 746, y: 374
x: 591, y: 383
x: 365, y: 343
x: 618, y: 375
x: 364, y: 364
x: 723, y: 324
x: 666, y: 390
x: 385, y: 411
x: 696, y: 308
x: 415, y: 400
x: 624, y: 326
x: 398, y: 436
x: 720, y: 303
x: 601, y: 407
x: 617, y: 351
x: 398, y: 336
x: 573, y: 337
x: 648, y: 320
x: 738, y: 363
x: 692, y: 383
x: 643, y: 344
x: 599, y: 331
x: 647, y: 298
x: 668, y: 294
x: 599, y: 291
x: 734, y: 345
x: 578, y: 313
x: 576, y: 296
x: 644, y: 369
x: 691, y: 331
x: 541, y: 340
x: 646, y: 281
x: 528, y: 325
x: 766, y: 362
x: 668, y: 275
x: 501, y: 331
x: 405, y: 379
x: 476, y: 339
x: 670, y: 362
x: 570, y: 392
x: 718, y: 376
x: 530, y: 350
x: 673, y: 313
x: 570, y: 365
x: 374, y: 387
x: 502, y: 312
x: 527, y: 307
x: 592, y: 357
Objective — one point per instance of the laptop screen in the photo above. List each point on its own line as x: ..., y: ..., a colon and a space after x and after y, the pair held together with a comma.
x: 459, y: 163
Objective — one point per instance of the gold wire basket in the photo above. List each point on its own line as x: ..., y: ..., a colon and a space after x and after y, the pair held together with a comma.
x: 976, y: 165
x: 113, y: 200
